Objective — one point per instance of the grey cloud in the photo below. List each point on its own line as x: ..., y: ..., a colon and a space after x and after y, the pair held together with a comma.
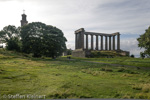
x: 106, y: 16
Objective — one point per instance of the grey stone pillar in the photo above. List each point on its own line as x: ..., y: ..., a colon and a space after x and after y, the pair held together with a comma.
x: 91, y: 42
x: 106, y: 43
x: 82, y: 40
x: 114, y: 42
x: 109, y: 42
x: 96, y: 42
x: 86, y: 41
x: 101, y: 42
x: 76, y: 41
x: 79, y: 38
x: 118, y: 41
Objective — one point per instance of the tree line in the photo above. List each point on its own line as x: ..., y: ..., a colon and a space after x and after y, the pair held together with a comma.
x: 36, y: 38
x: 46, y: 40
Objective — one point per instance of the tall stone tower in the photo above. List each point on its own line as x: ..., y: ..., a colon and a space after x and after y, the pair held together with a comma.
x: 24, y: 21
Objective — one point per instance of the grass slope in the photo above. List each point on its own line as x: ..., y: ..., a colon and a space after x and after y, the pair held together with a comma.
x: 138, y: 62
x: 62, y: 78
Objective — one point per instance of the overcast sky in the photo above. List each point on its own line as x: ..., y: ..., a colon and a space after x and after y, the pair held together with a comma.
x: 129, y: 17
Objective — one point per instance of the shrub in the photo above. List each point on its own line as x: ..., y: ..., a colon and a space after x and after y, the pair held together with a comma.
x: 146, y: 88
x: 109, y: 70
x: 106, y: 69
x: 132, y: 56
x: 102, y: 69
x: 121, y: 70
x: 137, y: 87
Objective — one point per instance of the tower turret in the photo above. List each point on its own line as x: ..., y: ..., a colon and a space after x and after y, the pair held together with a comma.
x: 24, y: 21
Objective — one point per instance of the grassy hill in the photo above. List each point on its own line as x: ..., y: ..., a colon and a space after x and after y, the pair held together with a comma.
x: 126, y: 61
x: 62, y: 78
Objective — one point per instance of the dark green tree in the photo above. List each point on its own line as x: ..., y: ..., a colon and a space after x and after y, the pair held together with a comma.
x: 144, y: 42
x: 32, y: 35
x: 54, y: 42
x: 132, y: 56
x: 142, y: 55
x: 11, y: 36
x: 41, y: 39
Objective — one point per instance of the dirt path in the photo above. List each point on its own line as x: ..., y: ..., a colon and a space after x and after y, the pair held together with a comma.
x: 118, y: 65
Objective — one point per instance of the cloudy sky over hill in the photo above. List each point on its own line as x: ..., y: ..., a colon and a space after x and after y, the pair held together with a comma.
x: 129, y: 17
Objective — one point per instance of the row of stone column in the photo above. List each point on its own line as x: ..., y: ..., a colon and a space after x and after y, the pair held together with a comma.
x: 106, y: 42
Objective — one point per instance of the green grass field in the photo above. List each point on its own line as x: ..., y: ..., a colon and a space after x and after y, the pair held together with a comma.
x: 138, y: 62
x: 63, y: 78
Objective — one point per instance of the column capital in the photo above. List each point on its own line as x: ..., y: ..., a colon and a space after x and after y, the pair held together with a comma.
x: 118, y: 33
x: 80, y: 30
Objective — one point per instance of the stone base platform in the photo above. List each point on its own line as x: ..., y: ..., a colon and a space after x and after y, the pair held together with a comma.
x: 87, y: 53
x: 80, y: 53
x: 123, y: 53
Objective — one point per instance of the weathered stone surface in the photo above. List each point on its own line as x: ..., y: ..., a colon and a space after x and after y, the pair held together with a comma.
x: 124, y: 53
x: 81, y: 51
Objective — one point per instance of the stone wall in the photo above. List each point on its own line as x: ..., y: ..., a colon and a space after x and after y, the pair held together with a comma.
x: 125, y: 53
x: 78, y: 53
x: 87, y: 53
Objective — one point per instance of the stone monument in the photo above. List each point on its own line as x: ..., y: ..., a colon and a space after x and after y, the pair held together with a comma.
x: 82, y: 43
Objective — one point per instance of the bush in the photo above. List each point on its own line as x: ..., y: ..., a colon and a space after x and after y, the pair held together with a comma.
x: 109, y: 70
x: 121, y: 70
x: 102, y: 69
x: 106, y: 69
x: 132, y: 56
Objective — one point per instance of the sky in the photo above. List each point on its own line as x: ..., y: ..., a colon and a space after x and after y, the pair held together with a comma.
x: 129, y: 17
